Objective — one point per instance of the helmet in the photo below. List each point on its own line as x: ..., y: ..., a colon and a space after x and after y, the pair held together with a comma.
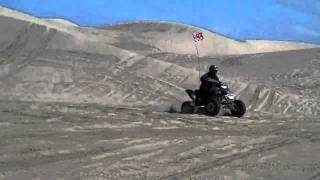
x: 213, y: 69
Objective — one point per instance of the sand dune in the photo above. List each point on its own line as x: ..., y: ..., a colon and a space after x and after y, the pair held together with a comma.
x: 62, y: 25
x: 83, y: 103
x: 131, y: 64
x: 177, y: 38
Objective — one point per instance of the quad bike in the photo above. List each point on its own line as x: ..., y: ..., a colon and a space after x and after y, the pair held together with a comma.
x: 212, y: 104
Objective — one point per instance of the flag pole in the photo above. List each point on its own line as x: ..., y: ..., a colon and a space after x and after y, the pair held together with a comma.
x: 198, y: 57
x: 197, y: 37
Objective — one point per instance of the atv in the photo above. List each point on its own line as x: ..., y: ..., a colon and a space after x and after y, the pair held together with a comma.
x: 212, y: 105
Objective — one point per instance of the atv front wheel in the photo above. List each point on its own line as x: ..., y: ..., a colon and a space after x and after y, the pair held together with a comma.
x: 239, y: 109
x: 187, y: 107
x: 212, y: 108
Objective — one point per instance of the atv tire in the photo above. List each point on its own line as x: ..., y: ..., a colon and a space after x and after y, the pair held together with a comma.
x: 212, y: 108
x: 187, y: 107
x: 240, y: 109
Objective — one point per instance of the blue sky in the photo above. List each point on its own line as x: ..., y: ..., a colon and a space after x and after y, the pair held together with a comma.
x: 294, y: 20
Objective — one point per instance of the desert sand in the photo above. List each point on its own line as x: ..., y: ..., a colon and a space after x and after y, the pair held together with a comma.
x: 91, y: 103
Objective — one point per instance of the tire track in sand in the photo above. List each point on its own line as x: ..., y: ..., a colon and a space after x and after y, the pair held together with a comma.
x: 225, y: 160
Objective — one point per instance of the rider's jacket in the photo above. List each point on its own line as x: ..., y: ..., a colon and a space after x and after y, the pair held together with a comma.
x: 208, y: 81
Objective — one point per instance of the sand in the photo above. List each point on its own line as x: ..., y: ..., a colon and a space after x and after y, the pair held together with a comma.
x: 90, y: 103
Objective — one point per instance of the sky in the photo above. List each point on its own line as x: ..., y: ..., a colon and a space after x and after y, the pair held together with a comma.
x: 288, y: 20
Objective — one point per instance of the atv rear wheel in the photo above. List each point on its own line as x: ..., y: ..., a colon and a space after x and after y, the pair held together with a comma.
x: 212, y: 108
x: 187, y: 107
x: 239, y: 109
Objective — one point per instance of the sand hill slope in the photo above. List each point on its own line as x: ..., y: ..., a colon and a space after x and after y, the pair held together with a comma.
x: 132, y: 65
x: 177, y: 38
x: 40, y: 62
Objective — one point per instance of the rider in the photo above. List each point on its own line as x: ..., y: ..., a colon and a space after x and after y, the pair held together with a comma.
x: 210, y: 83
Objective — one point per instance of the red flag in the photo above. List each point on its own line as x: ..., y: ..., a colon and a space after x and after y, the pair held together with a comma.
x: 198, y: 36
